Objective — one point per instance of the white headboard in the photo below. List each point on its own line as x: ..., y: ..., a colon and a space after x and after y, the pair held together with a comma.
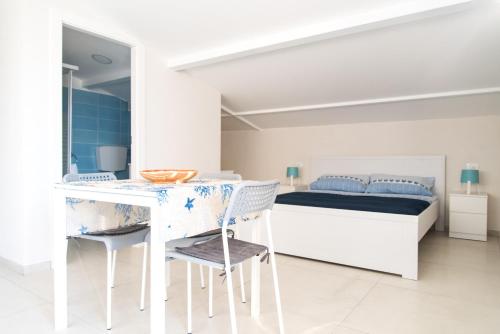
x: 430, y: 165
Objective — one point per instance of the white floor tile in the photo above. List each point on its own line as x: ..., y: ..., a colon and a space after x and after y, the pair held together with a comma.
x: 389, y: 309
x: 458, y: 292
x: 462, y: 283
x: 38, y: 320
x: 14, y: 299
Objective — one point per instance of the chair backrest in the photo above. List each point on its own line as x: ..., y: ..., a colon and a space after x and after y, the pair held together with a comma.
x: 220, y: 176
x: 249, y: 197
x: 107, y: 176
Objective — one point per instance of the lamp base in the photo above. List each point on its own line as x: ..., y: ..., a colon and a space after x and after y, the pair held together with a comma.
x: 291, y: 181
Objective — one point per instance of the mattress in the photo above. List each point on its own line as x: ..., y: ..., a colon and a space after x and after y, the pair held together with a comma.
x: 394, y: 205
x: 429, y: 199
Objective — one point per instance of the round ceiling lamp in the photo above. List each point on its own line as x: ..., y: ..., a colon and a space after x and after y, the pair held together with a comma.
x: 102, y: 59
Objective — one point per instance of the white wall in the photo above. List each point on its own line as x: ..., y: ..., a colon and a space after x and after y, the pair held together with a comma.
x: 179, y: 111
x: 11, y: 193
x: 183, y: 129
x: 265, y: 155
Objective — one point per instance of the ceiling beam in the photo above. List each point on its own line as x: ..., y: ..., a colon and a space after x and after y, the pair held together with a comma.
x: 244, y: 120
x: 70, y: 67
x: 456, y: 93
x: 326, y: 30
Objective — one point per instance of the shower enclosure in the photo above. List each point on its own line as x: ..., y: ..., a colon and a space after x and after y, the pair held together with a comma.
x: 68, y: 117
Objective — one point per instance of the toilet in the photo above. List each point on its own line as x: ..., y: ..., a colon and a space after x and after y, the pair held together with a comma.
x: 111, y: 158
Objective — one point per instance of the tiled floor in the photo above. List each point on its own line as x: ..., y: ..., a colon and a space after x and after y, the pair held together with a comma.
x: 458, y: 292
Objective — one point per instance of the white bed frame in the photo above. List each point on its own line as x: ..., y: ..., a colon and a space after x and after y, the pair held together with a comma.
x: 371, y: 240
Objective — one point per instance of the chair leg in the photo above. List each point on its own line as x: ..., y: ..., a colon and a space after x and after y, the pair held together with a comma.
x: 229, y: 278
x: 230, y: 295
x: 144, y: 272
x: 109, y: 284
x: 242, y: 284
x: 275, y: 272
x: 202, y: 277
x: 115, y: 253
x: 167, y: 279
x: 277, y: 293
x: 210, y: 292
x: 189, y: 300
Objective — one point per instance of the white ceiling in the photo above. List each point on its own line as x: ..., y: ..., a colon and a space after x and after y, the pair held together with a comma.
x: 465, y: 106
x: 453, y: 51
x: 457, y: 52
x: 182, y: 27
x: 460, y: 51
x: 113, y: 78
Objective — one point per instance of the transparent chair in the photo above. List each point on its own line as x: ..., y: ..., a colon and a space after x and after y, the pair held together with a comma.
x: 224, y: 253
x: 113, y: 243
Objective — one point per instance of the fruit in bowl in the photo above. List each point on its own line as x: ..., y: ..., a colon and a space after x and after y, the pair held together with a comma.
x: 168, y: 175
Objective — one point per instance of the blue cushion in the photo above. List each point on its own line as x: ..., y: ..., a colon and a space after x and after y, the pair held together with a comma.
x: 397, y: 184
x: 348, y: 183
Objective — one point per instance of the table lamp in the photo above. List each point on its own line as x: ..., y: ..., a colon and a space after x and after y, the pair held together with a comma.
x: 292, y: 172
x: 469, y: 176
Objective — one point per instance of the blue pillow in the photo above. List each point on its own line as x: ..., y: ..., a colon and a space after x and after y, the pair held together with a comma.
x: 348, y: 183
x: 397, y: 184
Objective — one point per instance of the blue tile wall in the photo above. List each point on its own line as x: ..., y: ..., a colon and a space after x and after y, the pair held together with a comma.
x: 98, y: 119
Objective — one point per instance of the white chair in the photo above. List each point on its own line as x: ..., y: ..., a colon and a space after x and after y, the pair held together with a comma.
x: 223, y: 176
x: 188, y: 241
x: 224, y: 253
x: 112, y: 242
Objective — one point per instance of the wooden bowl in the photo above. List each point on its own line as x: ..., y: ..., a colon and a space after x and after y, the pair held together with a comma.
x: 168, y: 175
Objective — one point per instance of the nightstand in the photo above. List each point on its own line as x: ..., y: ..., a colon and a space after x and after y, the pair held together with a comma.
x: 469, y: 216
x: 286, y: 188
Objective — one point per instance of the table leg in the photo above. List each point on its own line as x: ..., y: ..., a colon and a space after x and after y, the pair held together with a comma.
x: 59, y: 257
x: 255, y: 285
x: 157, y: 274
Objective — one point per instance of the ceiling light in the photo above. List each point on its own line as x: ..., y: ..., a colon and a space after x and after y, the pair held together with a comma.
x: 102, y: 59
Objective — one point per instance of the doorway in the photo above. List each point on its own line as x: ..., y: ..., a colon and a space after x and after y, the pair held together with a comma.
x: 96, y: 104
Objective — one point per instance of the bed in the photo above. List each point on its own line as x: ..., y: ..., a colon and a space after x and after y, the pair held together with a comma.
x: 356, y: 236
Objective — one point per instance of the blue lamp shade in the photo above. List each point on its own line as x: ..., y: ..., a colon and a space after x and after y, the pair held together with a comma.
x: 469, y: 175
x: 292, y: 171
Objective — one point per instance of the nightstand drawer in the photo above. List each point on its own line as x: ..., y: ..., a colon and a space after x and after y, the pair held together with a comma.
x: 471, y: 223
x: 469, y: 204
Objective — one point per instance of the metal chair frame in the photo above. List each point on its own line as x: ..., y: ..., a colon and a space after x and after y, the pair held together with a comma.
x: 174, y: 243
x: 112, y: 243
x: 247, y: 198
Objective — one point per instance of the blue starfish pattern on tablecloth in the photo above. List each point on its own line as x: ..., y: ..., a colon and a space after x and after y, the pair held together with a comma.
x: 71, y: 202
x: 226, y: 191
x: 162, y: 196
x: 220, y: 219
x: 83, y: 229
x: 124, y: 210
x: 204, y: 191
x: 189, y: 204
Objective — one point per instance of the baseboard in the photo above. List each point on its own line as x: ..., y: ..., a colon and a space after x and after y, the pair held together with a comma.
x: 494, y: 233
x: 491, y: 233
x: 24, y: 270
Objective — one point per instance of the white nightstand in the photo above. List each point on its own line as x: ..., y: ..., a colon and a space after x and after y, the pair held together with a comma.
x: 469, y: 216
x: 286, y: 188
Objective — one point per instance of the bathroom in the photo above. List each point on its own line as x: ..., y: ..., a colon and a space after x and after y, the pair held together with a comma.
x: 96, y: 105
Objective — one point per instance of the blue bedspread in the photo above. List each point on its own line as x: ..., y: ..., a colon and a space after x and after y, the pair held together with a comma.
x: 396, y: 205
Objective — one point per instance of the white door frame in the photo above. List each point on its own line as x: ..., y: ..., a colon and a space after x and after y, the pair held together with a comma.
x: 58, y: 19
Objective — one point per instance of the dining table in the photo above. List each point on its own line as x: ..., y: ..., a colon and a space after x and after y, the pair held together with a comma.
x: 172, y: 210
